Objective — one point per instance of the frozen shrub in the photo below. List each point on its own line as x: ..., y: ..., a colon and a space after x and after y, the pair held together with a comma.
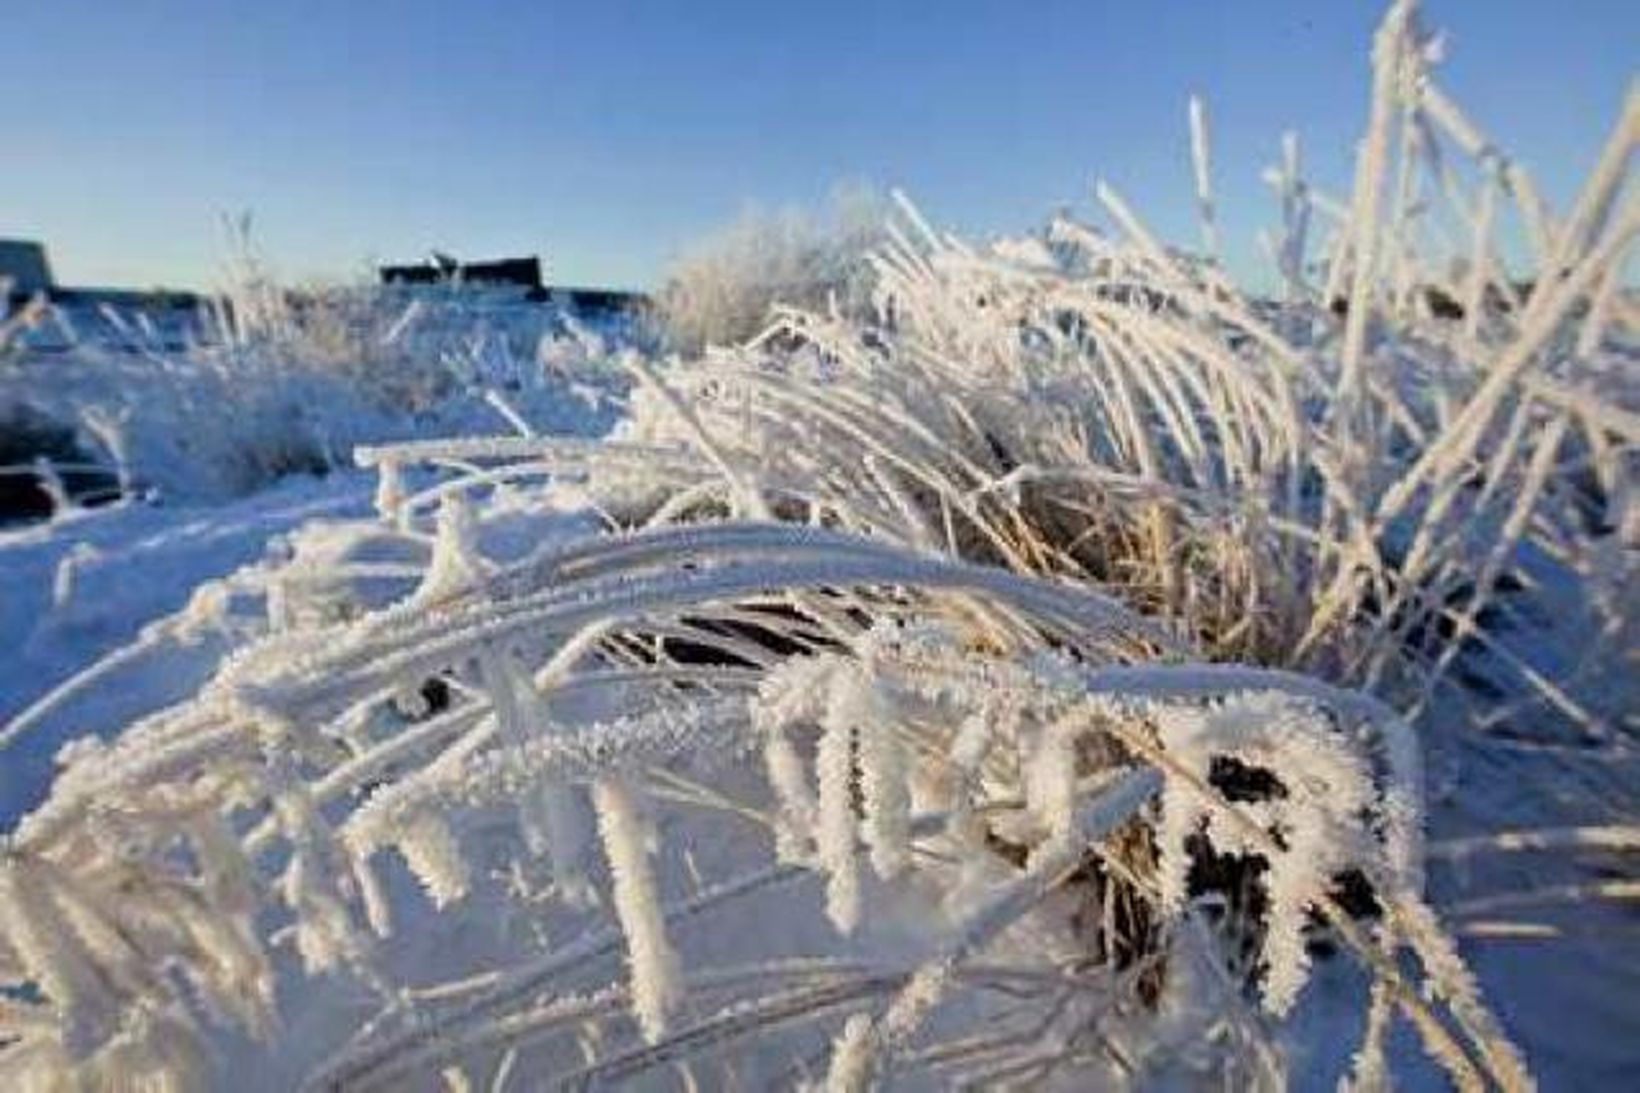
x: 1347, y: 482
x: 723, y: 289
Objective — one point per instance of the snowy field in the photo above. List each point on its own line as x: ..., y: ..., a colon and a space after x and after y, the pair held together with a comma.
x: 1046, y: 664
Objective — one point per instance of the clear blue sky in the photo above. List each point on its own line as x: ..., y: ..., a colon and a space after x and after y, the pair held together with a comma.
x: 606, y: 135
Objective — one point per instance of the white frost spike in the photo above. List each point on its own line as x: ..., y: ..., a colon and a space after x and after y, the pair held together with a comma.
x: 67, y: 576
x: 884, y: 779
x: 1369, y: 1069
x: 655, y: 978
x: 378, y: 913
x: 791, y: 693
x: 853, y: 1055
x: 835, y: 828
x: 1182, y: 816
x: 975, y: 736
x: 322, y: 927
x: 431, y: 852
x: 794, y: 822
x: 456, y: 563
x: 1451, y: 979
x: 389, y: 490
x: 1202, y: 163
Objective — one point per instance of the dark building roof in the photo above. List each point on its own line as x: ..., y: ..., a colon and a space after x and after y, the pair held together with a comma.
x: 523, y: 272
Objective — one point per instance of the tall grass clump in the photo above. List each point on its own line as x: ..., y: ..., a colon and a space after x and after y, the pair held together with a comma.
x: 721, y: 289
x: 1026, y: 681
x: 1366, y: 480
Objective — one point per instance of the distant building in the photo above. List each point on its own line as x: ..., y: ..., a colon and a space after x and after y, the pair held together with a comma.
x: 23, y: 265
x: 523, y: 273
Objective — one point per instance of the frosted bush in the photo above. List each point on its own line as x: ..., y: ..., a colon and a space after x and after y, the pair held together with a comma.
x: 722, y: 290
x: 1375, y: 496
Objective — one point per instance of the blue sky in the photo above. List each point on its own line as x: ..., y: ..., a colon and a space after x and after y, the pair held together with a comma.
x: 607, y: 135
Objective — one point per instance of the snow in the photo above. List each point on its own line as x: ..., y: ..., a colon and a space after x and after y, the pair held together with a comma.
x: 131, y: 565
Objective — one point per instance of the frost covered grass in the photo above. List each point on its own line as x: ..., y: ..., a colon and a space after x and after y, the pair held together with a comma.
x: 1029, y: 680
x: 1356, y: 497
x: 719, y: 292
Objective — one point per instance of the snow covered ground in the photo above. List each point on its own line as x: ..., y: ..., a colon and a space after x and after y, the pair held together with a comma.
x: 85, y: 585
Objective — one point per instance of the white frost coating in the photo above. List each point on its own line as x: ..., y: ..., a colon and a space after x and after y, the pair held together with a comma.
x: 892, y: 683
x: 456, y: 564
x: 794, y: 822
x: 430, y: 850
x: 550, y: 812
x: 835, y: 826
x: 1368, y: 1067
x: 1202, y: 163
x: 389, y: 490
x: 1322, y: 820
x: 655, y: 975
x: 1390, y: 53
x: 884, y: 778
x: 852, y: 1057
x: 787, y: 695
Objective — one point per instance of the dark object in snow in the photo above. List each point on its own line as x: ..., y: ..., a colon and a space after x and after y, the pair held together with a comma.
x: 1241, y: 783
x: 26, y: 440
x: 747, y: 634
x: 436, y: 693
